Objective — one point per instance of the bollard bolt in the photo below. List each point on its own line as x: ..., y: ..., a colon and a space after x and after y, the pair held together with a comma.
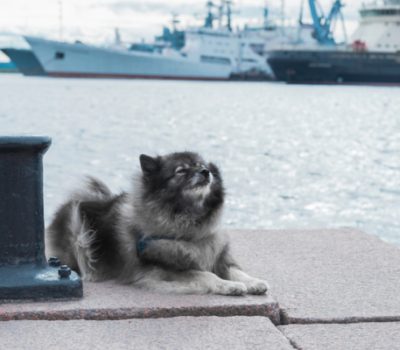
x: 54, y: 261
x: 64, y: 271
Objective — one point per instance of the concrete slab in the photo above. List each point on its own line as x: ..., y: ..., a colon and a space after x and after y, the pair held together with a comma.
x: 356, y: 336
x: 110, y: 301
x: 177, y: 333
x: 324, y: 275
x: 316, y: 275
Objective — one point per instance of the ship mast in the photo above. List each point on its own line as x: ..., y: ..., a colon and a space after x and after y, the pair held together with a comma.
x: 210, y: 16
x: 283, y: 13
x: 225, y: 11
x: 60, y: 20
x: 228, y: 4
x: 283, y: 6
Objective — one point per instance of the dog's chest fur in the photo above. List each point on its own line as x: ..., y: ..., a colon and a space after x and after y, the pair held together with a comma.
x: 180, y: 239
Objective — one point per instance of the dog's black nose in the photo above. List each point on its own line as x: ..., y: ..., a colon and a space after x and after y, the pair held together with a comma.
x: 205, y: 173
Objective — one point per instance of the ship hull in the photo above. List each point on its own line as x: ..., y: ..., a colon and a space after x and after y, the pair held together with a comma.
x: 25, y: 61
x: 8, y: 67
x: 85, y: 61
x: 334, y: 66
x: 128, y: 76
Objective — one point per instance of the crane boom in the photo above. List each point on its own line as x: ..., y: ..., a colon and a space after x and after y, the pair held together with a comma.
x: 322, y: 24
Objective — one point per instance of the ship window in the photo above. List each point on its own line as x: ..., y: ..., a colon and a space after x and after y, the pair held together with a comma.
x: 217, y: 60
x: 59, y: 55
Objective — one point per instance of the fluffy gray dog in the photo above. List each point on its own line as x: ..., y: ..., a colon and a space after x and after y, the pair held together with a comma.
x: 161, y: 237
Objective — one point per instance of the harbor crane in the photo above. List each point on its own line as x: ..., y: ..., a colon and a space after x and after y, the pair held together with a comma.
x: 324, y: 26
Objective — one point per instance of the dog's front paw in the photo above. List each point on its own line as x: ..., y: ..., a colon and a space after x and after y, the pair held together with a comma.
x: 256, y: 286
x: 232, y: 288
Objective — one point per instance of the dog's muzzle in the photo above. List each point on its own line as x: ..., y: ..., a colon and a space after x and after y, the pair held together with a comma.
x: 202, y: 177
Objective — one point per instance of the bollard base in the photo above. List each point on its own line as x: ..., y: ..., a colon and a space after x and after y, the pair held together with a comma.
x: 33, y: 282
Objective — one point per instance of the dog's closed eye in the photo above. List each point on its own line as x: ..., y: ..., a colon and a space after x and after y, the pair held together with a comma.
x: 181, y: 171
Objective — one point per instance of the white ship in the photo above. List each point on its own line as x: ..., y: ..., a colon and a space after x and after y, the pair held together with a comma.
x: 209, y: 54
x: 379, y: 28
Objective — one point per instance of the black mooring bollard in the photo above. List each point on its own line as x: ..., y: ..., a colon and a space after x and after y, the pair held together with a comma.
x: 24, y: 273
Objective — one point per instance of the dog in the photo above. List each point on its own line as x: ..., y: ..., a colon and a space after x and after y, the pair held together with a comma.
x: 161, y: 236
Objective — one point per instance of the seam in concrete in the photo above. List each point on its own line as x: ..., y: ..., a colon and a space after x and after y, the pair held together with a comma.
x: 293, y: 344
x: 286, y: 320
x: 345, y: 320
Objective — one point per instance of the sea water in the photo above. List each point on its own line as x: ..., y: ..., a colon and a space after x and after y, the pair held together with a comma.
x: 292, y: 156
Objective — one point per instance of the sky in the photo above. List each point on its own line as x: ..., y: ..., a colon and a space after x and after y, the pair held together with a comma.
x: 94, y: 21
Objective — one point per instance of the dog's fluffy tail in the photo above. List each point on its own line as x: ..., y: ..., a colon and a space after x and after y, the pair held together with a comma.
x: 69, y: 235
x: 94, y: 189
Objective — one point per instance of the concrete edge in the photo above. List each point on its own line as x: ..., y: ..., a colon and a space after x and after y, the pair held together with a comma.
x: 270, y: 311
x: 273, y: 311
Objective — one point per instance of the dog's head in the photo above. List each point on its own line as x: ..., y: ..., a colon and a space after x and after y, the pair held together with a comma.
x: 182, y: 182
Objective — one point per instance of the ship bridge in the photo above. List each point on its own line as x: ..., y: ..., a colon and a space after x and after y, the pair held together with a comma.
x: 379, y: 28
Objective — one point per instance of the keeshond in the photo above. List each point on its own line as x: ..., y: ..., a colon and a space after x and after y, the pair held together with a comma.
x: 161, y: 236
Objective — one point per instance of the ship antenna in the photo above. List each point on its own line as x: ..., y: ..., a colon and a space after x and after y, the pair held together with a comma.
x: 283, y: 16
x: 229, y: 14
x: 174, y: 21
x: 266, y: 15
x: 283, y: 12
x: 118, y: 41
x: 301, y: 13
x: 220, y: 13
x: 60, y: 19
x: 300, y: 24
x: 210, y: 16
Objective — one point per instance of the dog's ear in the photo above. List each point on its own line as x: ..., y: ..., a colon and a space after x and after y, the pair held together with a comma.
x: 149, y: 165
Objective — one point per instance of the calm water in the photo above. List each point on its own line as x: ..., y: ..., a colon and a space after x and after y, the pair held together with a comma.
x: 291, y: 156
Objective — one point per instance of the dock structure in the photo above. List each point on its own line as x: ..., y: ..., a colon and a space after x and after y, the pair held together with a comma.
x: 330, y: 289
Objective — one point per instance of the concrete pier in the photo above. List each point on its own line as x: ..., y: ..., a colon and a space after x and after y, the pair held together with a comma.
x: 330, y: 289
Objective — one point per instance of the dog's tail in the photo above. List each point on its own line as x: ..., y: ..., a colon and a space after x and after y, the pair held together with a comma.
x: 70, y: 236
x: 93, y: 189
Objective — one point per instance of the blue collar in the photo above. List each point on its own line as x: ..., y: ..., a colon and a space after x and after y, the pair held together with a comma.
x: 142, y: 242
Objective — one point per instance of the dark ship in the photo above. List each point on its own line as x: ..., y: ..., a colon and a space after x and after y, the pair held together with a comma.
x: 372, y: 57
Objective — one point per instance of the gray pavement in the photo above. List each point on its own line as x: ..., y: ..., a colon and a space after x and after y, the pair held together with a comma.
x: 111, y: 301
x: 233, y: 333
x: 356, y: 336
x: 325, y: 284
x: 324, y: 275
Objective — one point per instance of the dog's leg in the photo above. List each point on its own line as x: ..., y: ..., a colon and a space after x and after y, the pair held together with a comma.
x: 227, y: 268
x: 189, y: 282
x: 173, y: 254
x: 254, y: 285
